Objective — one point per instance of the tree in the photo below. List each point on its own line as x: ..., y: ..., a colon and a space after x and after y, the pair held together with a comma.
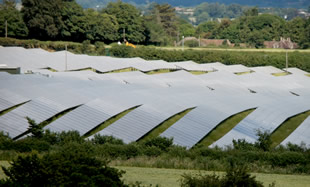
x: 15, y: 24
x: 35, y: 129
x: 101, y: 27
x: 155, y: 33
x: 165, y: 15
x: 74, y: 22
x: 251, y: 12
x: 264, y: 140
x: 129, y: 20
x: 43, y: 18
x: 296, y: 29
x: 206, y: 29
x: 185, y: 28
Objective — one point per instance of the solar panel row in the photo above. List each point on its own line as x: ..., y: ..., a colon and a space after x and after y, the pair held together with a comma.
x: 96, y: 98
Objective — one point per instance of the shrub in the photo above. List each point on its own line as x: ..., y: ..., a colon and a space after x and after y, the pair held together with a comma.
x: 98, y: 139
x: 152, y: 151
x: 29, y: 144
x: 200, y: 180
x: 235, y: 176
x: 100, y: 49
x: 70, y: 136
x: 121, y: 51
x: 191, y: 43
x: 162, y: 143
x: 264, y: 140
x: 243, y: 145
x: 73, y: 165
x: 5, y: 141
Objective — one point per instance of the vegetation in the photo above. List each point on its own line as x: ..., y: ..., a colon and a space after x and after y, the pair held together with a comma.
x: 223, y: 128
x: 71, y: 165
x: 157, y: 152
x: 283, y: 3
x: 247, y: 58
x: 171, y: 177
x: 235, y: 176
x: 68, y: 159
x: 157, y: 25
x: 287, y: 128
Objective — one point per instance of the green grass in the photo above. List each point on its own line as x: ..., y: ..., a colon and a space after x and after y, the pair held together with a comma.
x: 51, y: 69
x: 159, y: 71
x: 85, y: 69
x: 10, y: 109
x: 198, y: 72
x: 4, y: 164
x: 280, y: 74
x: 164, y: 125
x: 308, y: 75
x: 123, y: 70
x: 243, y: 73
x: 171, y: 177
x: 287, y: 127
x: 224, y: 127
x: 109, y: 122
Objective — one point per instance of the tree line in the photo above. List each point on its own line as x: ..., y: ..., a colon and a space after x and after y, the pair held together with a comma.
x: 68, y: 21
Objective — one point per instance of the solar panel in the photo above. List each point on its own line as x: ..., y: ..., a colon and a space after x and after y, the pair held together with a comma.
x: 300, y: 134
x: 264, y: 118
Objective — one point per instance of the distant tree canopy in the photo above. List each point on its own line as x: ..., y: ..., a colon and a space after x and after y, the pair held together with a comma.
x: 159, y: 25
x: 15, y: 24
x: 129, y: 19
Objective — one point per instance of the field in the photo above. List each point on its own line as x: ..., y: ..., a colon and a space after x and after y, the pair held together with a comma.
x: 171, y: 177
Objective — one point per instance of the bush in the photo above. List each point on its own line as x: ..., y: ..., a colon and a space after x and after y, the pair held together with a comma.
x: 264, y: 140
x: 73, y: 165
x: 235, y: 176
x: 162, y: 143
x: 29, y: 144
x: 5, y: 141
x: 200, y: 180
x: 100, y: 49
x: 191, y: 43
x: 98, y: 139
x: 121, y: 51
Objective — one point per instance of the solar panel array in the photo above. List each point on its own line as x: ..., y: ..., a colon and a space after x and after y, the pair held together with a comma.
x: 86, y: 99
x: 300, y: 135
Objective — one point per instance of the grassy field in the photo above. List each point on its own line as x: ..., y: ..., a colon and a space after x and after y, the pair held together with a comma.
x: 171, y: 177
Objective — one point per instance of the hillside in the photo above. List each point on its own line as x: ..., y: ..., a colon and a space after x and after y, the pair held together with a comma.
x: 259, y: 3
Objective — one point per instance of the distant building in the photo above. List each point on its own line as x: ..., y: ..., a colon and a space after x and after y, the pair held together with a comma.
x: 215, y: 42
x: 208, y: 42
x: 282, y: 44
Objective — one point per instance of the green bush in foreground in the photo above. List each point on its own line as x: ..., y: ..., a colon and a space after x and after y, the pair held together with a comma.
x: 236, y: 176
x: 72, y: 165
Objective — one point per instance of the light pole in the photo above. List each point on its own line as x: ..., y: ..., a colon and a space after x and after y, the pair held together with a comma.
x: 182, y: 43
x: 66, y: 61
x: 6, y: 28
x: 286, y: 62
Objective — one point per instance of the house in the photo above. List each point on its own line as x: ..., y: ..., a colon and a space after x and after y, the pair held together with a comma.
x: 208, y: 42
x: 282, y: 44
